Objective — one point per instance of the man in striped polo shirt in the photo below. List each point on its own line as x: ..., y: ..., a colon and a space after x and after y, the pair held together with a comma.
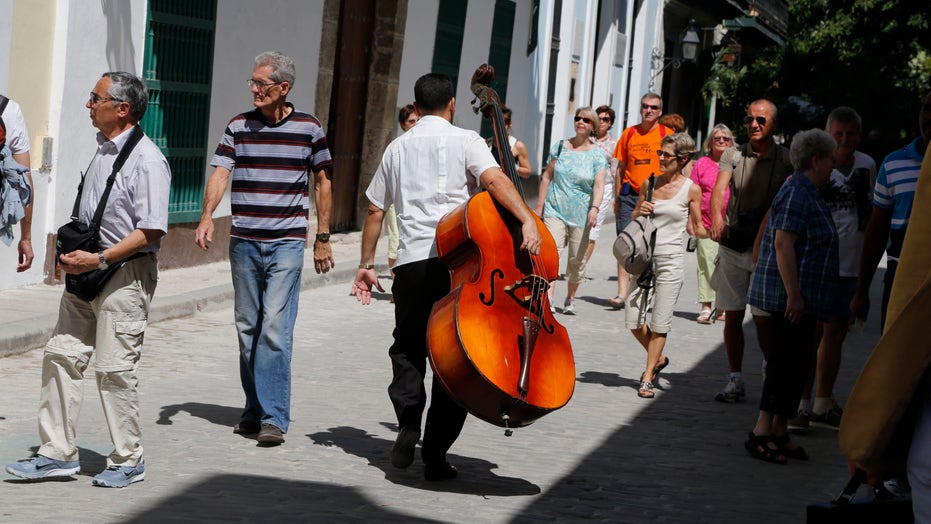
x: 893, y: 198
x: 269, y: 151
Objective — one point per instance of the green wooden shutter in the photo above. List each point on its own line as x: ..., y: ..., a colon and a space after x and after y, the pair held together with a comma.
x: 177, y: 70
x: 450, y: 29
x: 499, y: 53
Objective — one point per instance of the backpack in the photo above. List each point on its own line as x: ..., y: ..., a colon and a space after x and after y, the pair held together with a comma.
x: 633, y: 248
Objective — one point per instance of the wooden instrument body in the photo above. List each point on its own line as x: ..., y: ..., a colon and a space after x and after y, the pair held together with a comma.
x: 476, y: 333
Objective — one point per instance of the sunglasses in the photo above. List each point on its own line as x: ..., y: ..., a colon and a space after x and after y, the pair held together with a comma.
x: 604, y: 118
x: 583, y: 119
x: 662, y: 154
x: 759, y: 120
x: 724, y: 138
x: 649, y: 106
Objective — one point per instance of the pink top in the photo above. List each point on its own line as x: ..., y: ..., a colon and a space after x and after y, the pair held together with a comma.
x: 705, y: 173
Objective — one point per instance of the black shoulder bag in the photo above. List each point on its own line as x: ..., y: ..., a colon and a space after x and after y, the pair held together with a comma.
x: 76, y: 235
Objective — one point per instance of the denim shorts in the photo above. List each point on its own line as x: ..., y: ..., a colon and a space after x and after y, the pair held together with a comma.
x: 625, y: 214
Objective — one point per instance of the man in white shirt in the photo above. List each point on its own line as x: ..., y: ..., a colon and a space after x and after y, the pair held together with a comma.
x: 428, y: 171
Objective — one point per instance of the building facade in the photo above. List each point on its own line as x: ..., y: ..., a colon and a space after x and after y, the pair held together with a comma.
x: 356, y: 61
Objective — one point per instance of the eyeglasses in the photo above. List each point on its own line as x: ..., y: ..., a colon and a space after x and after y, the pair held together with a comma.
x: 725, y: 139
x: 664, y: 155
x: 649, y: 106
x: 260, y: 84
x: 583, y: 119
x: 96, y: 99
x: 605, y: 119
x: 759, y: 120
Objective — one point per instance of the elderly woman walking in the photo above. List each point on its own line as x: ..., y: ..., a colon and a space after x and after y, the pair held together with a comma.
x: 570, y: 194
x: 793, y: 281
x: 675, y: 201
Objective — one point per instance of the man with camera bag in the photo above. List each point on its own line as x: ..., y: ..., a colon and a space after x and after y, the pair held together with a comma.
x: 110, y: 324
x: 754, y: 172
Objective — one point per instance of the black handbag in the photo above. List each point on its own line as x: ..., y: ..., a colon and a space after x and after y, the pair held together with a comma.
x: 883, y: 507
x: 76, y: 235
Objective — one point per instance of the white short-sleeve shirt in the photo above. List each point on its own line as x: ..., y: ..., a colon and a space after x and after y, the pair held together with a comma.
x: 17, y: 136
x: 427, y: 172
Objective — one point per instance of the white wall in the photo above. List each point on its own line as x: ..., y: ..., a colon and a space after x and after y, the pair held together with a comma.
x: 79, y: 62
x: 648, y: 34
x: 244, y: 30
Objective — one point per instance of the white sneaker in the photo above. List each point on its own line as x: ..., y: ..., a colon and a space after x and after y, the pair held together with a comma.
x: 568, y: 307
x: 733, y: 392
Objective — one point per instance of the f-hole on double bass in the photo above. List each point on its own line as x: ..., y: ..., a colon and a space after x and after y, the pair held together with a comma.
x: 493, y: 341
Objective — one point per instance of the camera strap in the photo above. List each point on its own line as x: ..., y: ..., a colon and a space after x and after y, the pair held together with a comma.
x: 134, y: 137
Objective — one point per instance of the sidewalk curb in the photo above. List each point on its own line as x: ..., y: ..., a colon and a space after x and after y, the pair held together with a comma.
x: 37, y: 332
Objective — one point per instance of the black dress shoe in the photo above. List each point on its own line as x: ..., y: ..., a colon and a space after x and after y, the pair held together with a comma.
x: 438, y: 471
x: 402, y: 453
x: 246, y: 427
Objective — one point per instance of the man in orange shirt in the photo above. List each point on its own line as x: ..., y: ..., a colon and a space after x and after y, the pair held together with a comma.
x: 636, y: 155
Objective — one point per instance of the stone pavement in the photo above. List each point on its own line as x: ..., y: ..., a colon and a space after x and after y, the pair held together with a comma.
x: 607, y: 456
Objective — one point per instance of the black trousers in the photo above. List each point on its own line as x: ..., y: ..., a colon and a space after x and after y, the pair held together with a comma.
x: 416, y: 287
x: 790, y: 352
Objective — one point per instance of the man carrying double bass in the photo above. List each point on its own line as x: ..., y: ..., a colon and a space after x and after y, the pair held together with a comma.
x: 427, y: 172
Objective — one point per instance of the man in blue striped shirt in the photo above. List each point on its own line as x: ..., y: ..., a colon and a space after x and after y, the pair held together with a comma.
x: 893, y: 198
x: 269, y: 151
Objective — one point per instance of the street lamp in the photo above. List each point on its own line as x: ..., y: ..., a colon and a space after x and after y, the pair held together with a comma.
x: 690, y: 44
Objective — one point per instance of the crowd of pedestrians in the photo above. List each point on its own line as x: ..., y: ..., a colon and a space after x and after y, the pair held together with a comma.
x: 795, y: 233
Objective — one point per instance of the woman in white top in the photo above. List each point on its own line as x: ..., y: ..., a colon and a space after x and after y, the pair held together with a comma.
x: 675, y: 200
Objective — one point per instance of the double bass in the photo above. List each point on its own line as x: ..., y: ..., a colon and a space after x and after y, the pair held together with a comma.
x: 493, y: 341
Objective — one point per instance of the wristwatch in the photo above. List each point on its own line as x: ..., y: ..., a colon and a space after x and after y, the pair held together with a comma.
x: 103, y: 261
x: 323, y: 237
x: 366, y: 266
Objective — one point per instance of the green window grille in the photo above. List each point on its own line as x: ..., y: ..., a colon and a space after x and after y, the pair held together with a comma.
x: 177, y: 70
x: 499, y: 53
x: 450, y: 29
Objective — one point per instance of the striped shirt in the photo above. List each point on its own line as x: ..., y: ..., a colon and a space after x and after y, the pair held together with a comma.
x: 270, y: 164
x: 895, y: 189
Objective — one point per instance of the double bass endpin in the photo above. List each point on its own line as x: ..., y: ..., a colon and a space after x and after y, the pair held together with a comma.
x: 507, y: 430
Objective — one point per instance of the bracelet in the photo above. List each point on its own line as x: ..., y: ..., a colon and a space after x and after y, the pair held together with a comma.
x: 594, y: 207
x: 366, y: 266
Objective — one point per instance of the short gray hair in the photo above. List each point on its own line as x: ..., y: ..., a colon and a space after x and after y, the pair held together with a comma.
x: 129, y: 88
x: 651, y: 94
x: 682, y: 143
x: 808, y: 144
x: 282, y: 65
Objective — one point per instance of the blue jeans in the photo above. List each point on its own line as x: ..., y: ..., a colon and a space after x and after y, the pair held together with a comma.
x: 266, y: 283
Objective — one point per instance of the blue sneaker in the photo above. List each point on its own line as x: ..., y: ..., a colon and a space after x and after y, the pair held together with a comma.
x: 40, y: 467
x: 120, y: 476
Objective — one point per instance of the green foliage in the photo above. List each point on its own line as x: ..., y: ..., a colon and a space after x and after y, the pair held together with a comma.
x: 872, y: 55
x: 722, y: 80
